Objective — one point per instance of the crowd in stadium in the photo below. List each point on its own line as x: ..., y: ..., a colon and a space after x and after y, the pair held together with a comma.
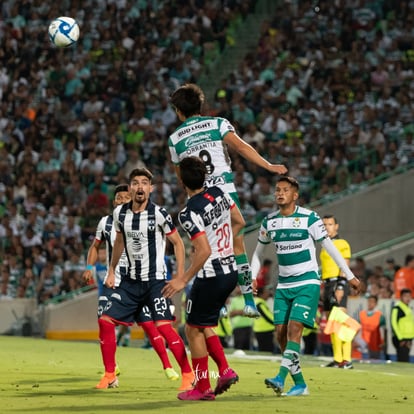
x: 328, y: 92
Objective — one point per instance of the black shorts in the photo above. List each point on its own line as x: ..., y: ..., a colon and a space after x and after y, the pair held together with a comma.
x: 207, y: 297
x: 330, y: 286
x: 125, y: 303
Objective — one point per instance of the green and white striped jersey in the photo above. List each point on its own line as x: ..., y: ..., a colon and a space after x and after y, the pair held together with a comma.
x: 202, y: 136
x: 294, y: 237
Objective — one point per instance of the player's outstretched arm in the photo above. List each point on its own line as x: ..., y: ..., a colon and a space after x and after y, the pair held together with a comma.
x: 250, y: 154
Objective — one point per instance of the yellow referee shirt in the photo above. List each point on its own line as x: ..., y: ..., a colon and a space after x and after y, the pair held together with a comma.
x: 329, y: 268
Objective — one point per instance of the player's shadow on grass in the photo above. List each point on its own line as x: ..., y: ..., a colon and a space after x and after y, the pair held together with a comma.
x: 50, y: 380
x: 146, y: 406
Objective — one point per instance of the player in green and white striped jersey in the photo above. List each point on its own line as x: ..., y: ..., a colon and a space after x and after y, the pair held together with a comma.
x: 207, y: 137
x: 294, y: 230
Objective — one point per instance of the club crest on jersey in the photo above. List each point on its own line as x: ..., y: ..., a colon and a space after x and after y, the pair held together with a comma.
x: 151, y: 224
x: 296, y: 222
x: 272, y: 235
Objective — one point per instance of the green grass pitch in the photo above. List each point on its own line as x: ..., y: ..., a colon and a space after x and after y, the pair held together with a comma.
x: 45, y: 376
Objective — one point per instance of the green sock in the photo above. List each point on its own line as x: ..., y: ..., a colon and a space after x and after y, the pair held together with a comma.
x: 245, y: 278
x: 285, y: 364
x: 290, y: 363
x: 295, y: 368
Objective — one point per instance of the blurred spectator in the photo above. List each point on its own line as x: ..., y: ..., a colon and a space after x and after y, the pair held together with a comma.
x: 70, y: 151
x: 254, y: 136
x: 72, y: 230
x: 405, y: 152
x: 29, y: 239
x: 248, y: 211
x: 264, y: 277
x: 372, y: 328
x: 263, y: 195
x: 92, y: 164
x: 402, y: 324
x: 48, y: 285
x: 404, y: 277
x: 242, y: 325
x: 134, y: 161
x: 242, y: 115
x: 76, y: 196
x: 7, y: 290
x: 242, y: 187
x: 390, y: 268
x: 162, y: 193
x: 20, y: 190
x: 263, y: 327
x: 97, y: 202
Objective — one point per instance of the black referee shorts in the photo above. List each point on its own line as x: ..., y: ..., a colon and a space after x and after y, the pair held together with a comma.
x: 331, y: 285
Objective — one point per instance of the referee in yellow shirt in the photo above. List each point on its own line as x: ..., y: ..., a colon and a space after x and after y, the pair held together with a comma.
x: 336, y: 290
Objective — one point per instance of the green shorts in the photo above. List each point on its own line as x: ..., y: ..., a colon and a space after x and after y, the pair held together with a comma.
x: 236, y: 199
x: 297, y: 304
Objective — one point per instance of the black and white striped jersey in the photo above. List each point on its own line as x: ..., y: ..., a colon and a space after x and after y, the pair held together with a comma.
x: 144, y: 236
x: 105, y: 231
x: 209, y: 212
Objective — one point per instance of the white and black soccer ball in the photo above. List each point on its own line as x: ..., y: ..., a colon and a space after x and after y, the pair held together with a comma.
x: 63, y: 31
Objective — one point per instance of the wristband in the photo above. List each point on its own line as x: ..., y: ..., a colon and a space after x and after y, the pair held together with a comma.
x: 89, y: 267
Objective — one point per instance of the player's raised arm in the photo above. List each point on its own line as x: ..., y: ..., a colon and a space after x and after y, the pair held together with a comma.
x: 249, y: 153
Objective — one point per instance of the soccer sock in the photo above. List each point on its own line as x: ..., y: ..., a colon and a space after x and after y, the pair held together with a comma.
x: 295, y: 368
x: 200, y: 368
x: 336, y: 348
x: 107, y: 340
x: 245, y: 278
x: 347, y: 351
x: 157, y: 342
x: 290, y: 363
x: 216, y: 351
x: 176, y: 345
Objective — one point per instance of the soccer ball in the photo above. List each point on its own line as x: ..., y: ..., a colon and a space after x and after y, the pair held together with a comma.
x: 63, y: 31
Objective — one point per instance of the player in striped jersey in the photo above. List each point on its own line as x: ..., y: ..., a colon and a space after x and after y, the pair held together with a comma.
x: 207, y: 138
x: 105, y: 233
x: 210, y: 219
x: 142, y: 228
x: 294, y: 230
